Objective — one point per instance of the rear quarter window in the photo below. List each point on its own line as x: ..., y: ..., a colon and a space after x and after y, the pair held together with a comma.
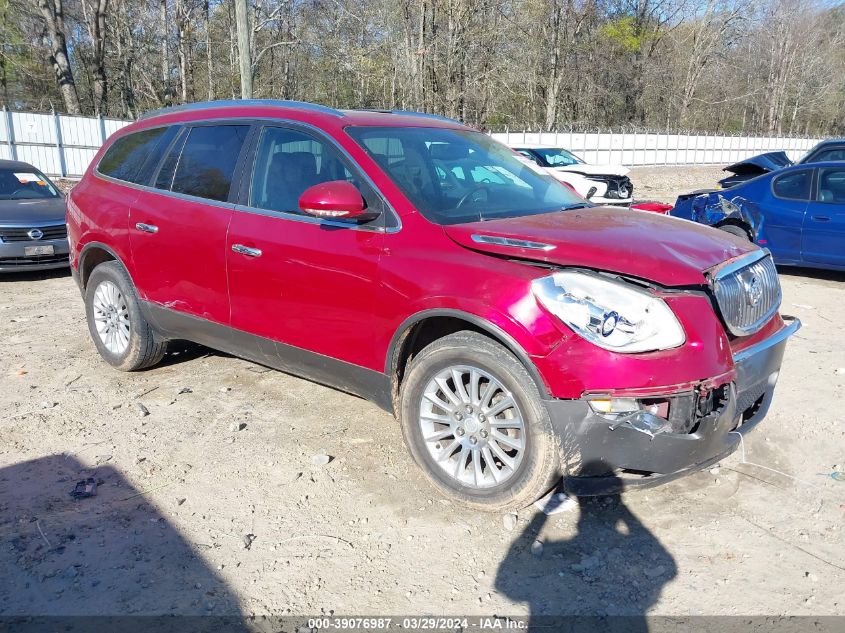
x: 130, y: 156
x: 793, y: 186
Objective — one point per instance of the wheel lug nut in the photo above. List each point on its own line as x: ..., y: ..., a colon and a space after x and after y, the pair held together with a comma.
x: 482, y: 417
x: 469, y: 409
x: 472, y: 440
x: 459, y: 416
x: 483, y: 433
x: 459, y: 431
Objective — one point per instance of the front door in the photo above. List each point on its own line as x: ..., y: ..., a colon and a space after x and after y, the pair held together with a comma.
x: 178, y: 230
x: 309, y: 284
x: 823, y: 237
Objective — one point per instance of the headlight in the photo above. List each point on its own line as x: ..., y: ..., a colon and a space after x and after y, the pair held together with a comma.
x: 613, y: 315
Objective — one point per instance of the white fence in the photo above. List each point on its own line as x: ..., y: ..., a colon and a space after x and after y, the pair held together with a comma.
x: 62, y: 145
x: 59, y: 145
x: 660, y: 149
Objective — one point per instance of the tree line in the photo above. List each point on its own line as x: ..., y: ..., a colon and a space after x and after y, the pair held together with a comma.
x: 751, y: 66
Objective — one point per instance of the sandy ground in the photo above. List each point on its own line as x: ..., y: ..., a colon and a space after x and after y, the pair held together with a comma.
x: 212, y: 504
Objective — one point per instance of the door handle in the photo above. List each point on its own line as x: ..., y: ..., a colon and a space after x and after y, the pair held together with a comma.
x: 146, y: 228
x: 246, y: 250
x: 821, y: 218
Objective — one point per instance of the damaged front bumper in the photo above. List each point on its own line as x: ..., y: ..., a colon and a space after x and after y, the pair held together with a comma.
x: 670, y: 436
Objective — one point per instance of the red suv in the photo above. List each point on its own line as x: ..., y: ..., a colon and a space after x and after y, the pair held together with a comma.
x: 519, y: 334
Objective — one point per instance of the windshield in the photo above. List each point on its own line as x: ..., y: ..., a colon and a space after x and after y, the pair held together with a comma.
x: 456, y: 176
x: 25, y: 184
x: 556, y: 157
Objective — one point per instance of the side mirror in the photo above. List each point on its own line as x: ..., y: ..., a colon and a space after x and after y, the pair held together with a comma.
x: 336, y: 199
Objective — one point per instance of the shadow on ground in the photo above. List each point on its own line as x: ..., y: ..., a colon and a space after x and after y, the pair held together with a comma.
x: 35, y: 275
x: 113, y: 554
x: 813, y: 273
x: 608, y: 575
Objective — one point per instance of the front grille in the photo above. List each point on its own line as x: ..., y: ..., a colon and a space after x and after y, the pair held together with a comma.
x: 56, y: 232
x: 748, y: 293
x: 29, y: 261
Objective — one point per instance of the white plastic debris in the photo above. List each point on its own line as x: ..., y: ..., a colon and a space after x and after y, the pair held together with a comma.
x: 556, y: 502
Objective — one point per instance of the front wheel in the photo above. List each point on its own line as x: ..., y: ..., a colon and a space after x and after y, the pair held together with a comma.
x: 473, y: 420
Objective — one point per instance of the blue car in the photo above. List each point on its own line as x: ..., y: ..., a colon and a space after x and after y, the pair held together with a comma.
x: 798, y: 213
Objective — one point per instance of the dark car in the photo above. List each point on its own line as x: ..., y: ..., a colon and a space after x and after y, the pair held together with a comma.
x: 517, y: 336
x: 831, y: 149
x: 33, y: 233
x: 798, y: 213
x: 753, y: 167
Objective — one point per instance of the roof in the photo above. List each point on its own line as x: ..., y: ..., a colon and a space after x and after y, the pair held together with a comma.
x: 253, y: 107
x: 15, y: 164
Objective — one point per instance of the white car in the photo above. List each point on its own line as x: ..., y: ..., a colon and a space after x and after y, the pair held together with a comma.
x: 602, y: 184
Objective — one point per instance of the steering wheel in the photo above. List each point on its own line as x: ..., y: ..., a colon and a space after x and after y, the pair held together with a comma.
x: 469, y: 194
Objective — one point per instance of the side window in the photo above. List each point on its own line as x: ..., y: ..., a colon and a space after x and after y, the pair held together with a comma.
x: 164, y: 179
x: 287, y: 162
x: 830, y: 154
x: 206, y: 164
x: 793, y: 186
x: 832, y: 185
x: 154, y: 156
x: 124, y: 159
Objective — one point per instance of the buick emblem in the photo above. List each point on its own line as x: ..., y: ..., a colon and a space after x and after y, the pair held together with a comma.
x: 753, y: 291
x: 35, y: 234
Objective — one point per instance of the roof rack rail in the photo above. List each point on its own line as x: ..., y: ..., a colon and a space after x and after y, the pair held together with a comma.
x: 438, y: 117
x: 234, y: 103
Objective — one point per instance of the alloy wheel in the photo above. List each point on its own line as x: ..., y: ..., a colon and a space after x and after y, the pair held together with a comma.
x: 111, y: 317
x: 472, y: 426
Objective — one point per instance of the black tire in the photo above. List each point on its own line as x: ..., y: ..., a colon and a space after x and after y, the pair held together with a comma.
x: 145, y: 348
x: 540, y: 466
x: 733, y: 229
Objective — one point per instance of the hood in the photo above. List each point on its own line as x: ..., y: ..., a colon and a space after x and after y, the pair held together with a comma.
x: 594, y: 170
x: 666, y: 250
x: 760, y: 164
x: 35, y: 212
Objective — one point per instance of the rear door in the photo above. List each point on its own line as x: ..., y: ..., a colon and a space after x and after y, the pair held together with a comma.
x: 178, y: 226
x: 823, y: 237
x: 784, y: 209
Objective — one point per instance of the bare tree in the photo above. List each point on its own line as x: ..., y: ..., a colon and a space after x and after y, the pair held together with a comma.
x: 54, y: 20
x: 244, y: 48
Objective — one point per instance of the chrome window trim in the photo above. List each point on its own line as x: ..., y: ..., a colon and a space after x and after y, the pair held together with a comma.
x: 238, y: 207
x: 320, y: 135
x: 167, y: 194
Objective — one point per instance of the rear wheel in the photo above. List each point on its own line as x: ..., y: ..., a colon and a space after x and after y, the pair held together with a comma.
x: 733, y: 229
x: 121, y: 334
x: 473, y: 420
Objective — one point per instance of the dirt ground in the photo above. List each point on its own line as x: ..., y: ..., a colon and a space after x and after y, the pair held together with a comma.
x: 212, y: 503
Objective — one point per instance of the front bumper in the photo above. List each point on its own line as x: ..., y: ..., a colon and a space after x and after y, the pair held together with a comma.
x: 13, y: 257
x: 605, y: 460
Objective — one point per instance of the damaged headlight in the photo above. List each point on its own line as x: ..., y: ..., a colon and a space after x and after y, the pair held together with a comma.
x: 610, y: 314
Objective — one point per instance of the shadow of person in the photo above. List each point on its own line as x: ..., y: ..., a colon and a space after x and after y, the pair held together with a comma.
x: 68, y: 562
x: 605, y: 577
